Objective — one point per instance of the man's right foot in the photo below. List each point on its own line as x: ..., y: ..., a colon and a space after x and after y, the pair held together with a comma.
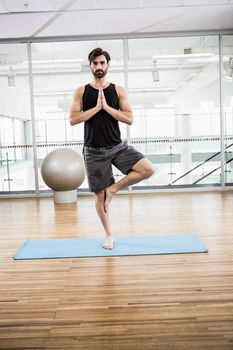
x: 109, y: 242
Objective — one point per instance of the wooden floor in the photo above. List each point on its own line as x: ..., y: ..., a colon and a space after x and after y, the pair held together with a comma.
x: 181, y: 301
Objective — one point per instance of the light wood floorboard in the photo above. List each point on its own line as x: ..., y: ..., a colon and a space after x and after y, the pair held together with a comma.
x: 181, y: 301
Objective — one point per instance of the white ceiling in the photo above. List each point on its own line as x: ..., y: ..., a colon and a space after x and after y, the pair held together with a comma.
x: 57, y: 18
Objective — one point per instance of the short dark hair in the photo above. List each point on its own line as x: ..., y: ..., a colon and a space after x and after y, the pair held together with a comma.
x: 98, y: 52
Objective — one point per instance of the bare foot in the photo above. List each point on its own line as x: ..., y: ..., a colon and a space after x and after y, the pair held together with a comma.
x: 108, y: 197
x: 109, y: 242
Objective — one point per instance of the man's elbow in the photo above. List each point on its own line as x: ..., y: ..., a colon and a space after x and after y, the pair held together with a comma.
x: 72, y: 123
x: 130, y: 121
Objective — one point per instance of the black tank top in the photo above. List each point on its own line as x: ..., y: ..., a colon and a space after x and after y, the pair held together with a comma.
x: 102, y: 129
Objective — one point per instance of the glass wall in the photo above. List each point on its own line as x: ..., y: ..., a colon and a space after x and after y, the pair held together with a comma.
x: 227, y: 90
x: 174, y: 88
x: 58, y: 69
x: 16, y: 160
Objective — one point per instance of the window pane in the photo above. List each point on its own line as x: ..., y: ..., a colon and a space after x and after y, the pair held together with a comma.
x: 16, y: 162
x: 227, y: 84
x: 174, y: 91
x: 58, y: 69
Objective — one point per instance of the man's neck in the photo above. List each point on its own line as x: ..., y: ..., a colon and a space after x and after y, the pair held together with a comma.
x: 100, y: 83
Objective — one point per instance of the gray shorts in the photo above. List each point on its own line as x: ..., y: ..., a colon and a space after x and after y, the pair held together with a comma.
x: 99, y: 160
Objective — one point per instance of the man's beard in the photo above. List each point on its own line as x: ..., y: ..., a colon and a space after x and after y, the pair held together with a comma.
x: 99, y: 73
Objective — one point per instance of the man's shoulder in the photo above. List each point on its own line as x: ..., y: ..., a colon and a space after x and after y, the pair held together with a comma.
x: 120, y: 90
x: 79, y: 90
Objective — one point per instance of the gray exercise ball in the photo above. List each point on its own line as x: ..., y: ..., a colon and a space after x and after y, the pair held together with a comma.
x: 63, y: 170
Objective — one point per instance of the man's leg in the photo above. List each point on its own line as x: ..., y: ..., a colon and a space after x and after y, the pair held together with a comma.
x: 103, y: 215
x: 143, y: 169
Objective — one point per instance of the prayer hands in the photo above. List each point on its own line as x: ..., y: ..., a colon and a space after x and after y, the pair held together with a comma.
x: 101, y: 101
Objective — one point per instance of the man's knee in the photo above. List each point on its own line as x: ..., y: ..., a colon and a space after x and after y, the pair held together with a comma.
x: 100, y: 196
x: 148, y: 170
x: 145, y: 168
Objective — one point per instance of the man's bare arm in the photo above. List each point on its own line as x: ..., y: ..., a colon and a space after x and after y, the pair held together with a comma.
x: 125, y: 114
x: 77, y: 115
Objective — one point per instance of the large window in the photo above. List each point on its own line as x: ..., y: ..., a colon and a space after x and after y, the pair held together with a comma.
x: 227, y: 84
x: 58, y: 69
x: 174, y: 90
x: 173, y: 85
x: 16, y: 160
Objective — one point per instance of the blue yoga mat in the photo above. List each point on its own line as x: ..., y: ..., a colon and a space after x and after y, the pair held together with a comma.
x: 124, y: 246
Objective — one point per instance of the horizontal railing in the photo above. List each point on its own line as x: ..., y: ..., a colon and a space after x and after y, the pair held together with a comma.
x: 132, y: 141
x: 5, y: 160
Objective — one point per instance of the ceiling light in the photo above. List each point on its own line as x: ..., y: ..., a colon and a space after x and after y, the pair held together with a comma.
x: 185, y: 55
x: 11, y: 79
x: 145, y: 90
x: 56, y: 61
x: 229, y: 70
x: 155, y: 73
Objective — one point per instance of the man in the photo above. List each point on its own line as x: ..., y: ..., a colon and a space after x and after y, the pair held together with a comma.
x: 101, y: 106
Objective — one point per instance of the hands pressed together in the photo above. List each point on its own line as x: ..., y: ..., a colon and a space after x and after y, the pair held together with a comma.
x: 101, y: 101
